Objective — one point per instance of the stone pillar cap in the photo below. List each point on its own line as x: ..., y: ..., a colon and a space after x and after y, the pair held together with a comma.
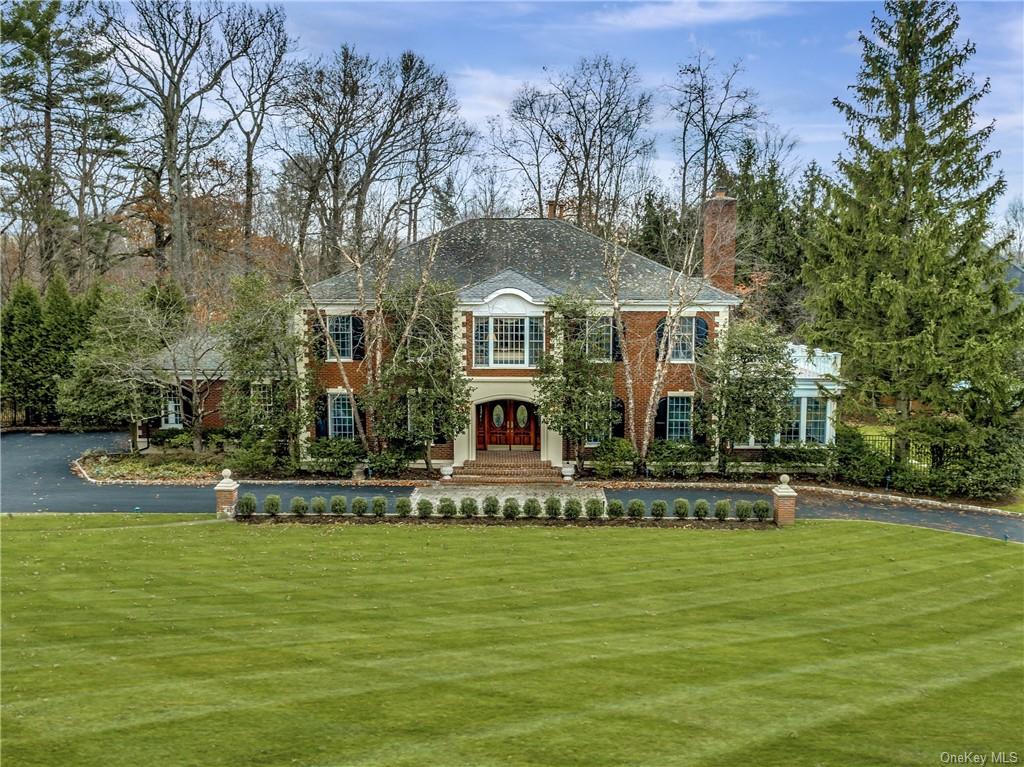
x: 227, y: 483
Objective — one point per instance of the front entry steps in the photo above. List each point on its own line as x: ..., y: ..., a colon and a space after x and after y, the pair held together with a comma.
x: 507, y: 467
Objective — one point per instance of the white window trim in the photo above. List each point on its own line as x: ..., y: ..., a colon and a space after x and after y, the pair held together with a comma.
x: 679, y: 395
x: 490, y: 318
x: 693, y: 342
x: 172, y: 398
x: 332, y: 395
x: 611, y: 338
x: 352, y: 340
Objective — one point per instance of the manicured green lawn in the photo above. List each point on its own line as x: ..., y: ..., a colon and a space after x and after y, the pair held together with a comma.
x: 133, y: 641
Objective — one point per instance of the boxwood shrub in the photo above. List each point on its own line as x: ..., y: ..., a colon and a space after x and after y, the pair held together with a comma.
x: 510, y: 509
x: 318, y: 505
x: 681, y: 508
x: 744, y: 509
x: 360, y: 507
x: 701, y: 509
x: 424, y: 508
x: 403, y: 507
x: 468, y: 507
x: 722, y: 509
x: 531, y: 508
x: 552, y: 507
x: 246, y: 506
x: 594, y: 508
x: 491, y: 506
x: 616, y: 509
x: 762, y: 510
x: 572, y: 508
x: 298, y: 506
x: 339, y: 504
x: 446, y: 508
x: 659, y: 509
x: 379, y: 504
x: 272, y: 505
x: 636, y: 509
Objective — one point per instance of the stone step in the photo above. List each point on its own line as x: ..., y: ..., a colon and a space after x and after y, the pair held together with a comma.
x: 541, y: 471
x: 494, y: 479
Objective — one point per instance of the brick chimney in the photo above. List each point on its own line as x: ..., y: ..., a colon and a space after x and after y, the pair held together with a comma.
x: 552, y: 209
x: 720, y: 241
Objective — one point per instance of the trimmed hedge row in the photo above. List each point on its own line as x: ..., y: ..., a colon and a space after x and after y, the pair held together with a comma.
x: 552, y: 508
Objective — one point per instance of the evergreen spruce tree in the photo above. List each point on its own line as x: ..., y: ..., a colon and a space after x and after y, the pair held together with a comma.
x: 768, y: 256
x: 899, y: 277
x: 21, y: 353
x: 61, y: 336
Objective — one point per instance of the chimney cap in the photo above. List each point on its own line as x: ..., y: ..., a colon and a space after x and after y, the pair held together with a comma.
x: 720, y: 192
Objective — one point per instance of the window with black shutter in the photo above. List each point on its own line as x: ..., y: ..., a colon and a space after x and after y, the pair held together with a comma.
x: 358, y: 339
x: 661, y: 419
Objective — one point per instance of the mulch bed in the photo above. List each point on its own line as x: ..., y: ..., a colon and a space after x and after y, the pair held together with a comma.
x: 391, y: 519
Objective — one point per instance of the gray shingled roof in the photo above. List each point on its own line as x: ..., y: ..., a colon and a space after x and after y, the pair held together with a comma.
x: 1015, y: 273
x: 543, y: 257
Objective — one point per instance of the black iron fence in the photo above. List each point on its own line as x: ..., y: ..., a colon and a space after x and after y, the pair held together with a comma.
x: 923, y: 456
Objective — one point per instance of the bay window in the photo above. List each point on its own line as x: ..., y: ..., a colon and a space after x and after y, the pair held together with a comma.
x: 791, y: 430
x: 814, y: 428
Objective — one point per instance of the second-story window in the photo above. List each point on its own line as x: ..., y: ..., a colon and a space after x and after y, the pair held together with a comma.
x: 682, y: 344
x: 340, y: 328
x: 599, y: 339
x: 507, y: 342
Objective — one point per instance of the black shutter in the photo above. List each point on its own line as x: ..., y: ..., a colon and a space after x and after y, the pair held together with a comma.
x: 320, y: 412
x: 575, y: 331
x: 318, y: 341
x: 358, y: 339
x: 699, y: 421
x: 619, y: 429
x: 186, y: 407
x: 701, y: 331
x: 661, y: 419
x: 617, y: 343
x: 661, y: 332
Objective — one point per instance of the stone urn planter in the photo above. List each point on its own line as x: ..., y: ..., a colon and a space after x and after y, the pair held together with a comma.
x: 567, y: 472
x: 446, y: 473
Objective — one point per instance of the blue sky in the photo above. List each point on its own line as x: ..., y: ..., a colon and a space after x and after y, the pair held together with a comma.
x: 798, y: 56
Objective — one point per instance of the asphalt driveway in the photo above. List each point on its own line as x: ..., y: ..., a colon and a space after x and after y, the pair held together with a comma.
x: 35, y: 475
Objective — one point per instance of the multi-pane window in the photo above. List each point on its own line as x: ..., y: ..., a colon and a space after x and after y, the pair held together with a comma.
x: 262, y: 402
x: 599, y: 339
x: 679, y: 426
x: 682, y: 343
x: 507, y: 341
x: 172, y: 411
x: 536, y: 331
x: 817, y: 416
x: 340, y: 328
x: 341, y: 423
x: 791, y: 430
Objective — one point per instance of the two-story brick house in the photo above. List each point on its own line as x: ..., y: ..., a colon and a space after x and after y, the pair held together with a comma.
x: 506, y: 270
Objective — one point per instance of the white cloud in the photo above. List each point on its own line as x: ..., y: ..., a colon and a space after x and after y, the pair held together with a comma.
x: 484, y: 92
x: 686, y: 13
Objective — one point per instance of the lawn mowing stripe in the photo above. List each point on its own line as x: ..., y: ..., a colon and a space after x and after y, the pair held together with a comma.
x: 411, y: 682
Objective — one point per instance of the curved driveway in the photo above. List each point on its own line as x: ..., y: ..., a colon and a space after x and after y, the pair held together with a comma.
x: 36, y: 476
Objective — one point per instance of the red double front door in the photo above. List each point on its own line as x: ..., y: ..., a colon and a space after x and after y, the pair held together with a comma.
x: 507, y: 424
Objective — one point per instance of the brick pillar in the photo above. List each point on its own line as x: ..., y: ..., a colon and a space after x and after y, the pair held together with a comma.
x: 783, y: 503
x: 226, y: 492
